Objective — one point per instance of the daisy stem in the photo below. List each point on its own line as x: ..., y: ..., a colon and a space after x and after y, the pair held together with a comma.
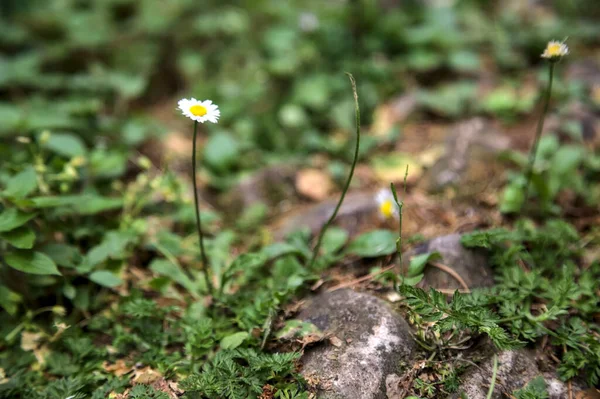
x: 205, y: 263
x: 356, y: 148
x: 400, y: 205
x: 538, y: 132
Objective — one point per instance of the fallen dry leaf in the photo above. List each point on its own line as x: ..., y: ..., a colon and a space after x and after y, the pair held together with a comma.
x: 392, y: 113
x: 392, y: 168
x: 3, y: 379
x: 335, y: 341
x: 30, y: 340
x: 313, y: 184
x: 40, y: 355
x: 169, y: 387
x: 119, y: 369
x: 588, y: 394
x: 145, y: 375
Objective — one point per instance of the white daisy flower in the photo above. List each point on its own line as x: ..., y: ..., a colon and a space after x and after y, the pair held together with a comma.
x: 199, y: 111
x: 387, y: 206
x: 555, y: 50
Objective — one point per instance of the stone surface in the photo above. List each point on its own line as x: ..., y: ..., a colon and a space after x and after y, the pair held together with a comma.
x: 357, y: 207
x: 516, y: 368
x: 472, y: 265
x: 467, y: 143
x: 374, y: 339
x: 269, y: 186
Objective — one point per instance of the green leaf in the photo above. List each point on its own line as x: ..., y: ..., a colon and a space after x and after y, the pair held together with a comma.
x: 279, y: 249
x: 22, y: 238
x: 9, y: 300
x: 245, y: 262
x: 11, y: 116
x: 334, y: 239
x: 69, y: 291
x: 105, y: 278
x: 373, y: 244
x: 107, y: 164
x: 22, y: 184
x: 297, y: 329
x: 418, y: 263
x: 112, y: 246
x: 168, y: 269
x: 12, y: 218
x: 66, y: 144
x: 62, y: 254
x: 31, y: 262
x: 536, y: 388
x: 234, y: 340
x: 566, y: 160
x: 86, y: 204
x: 221, y: 152
x: 512, y: 199
x: 412, y: 281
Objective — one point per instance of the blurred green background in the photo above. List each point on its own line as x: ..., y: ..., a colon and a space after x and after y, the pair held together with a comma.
x: 96, y: 70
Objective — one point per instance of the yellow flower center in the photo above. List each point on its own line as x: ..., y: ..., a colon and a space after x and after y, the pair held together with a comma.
x: 198, y: 110
x: 386, y: 208
x: 554, y: 49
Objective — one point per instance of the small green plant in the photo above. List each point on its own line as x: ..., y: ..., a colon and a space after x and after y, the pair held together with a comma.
x: 200, y: 111
x: 240, y: 374
x: 535, y: 389
x: 517, y: 194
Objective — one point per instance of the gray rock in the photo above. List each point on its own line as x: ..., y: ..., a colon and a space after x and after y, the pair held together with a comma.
x: 357, y: 207
x: 467, y: 151
x: 472, y: 265
x: 371, y: 341
x: 516, y: 368
x: 269, y: 186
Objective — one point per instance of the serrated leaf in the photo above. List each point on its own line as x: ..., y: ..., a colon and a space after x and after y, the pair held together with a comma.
x: 31, y: 262
x: 22, y: 184
x: 12, y: 218
x: 234, y: 340
x: 105, y: 278
x: 22, y: 238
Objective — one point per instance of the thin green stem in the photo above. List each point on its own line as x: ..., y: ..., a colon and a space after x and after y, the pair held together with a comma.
x: 493, y: 384
x: 206, y: 265
x: 538, y: 132
x: 400, y: 205
x: 356, y: 148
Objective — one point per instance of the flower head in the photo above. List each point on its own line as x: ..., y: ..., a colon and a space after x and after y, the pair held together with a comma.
x: 387, y: 206
x: 555, y: 50
x: 199, y: 111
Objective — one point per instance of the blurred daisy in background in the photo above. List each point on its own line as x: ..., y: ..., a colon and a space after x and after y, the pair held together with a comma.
x: 555, y: 50
x: 199, y: 111
x: 387, y: 206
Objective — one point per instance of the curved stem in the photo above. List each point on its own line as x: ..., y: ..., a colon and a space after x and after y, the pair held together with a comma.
x: 400, y: 205
x: 205, y: 263
x: 538, y: 132
x: 339, y: 204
